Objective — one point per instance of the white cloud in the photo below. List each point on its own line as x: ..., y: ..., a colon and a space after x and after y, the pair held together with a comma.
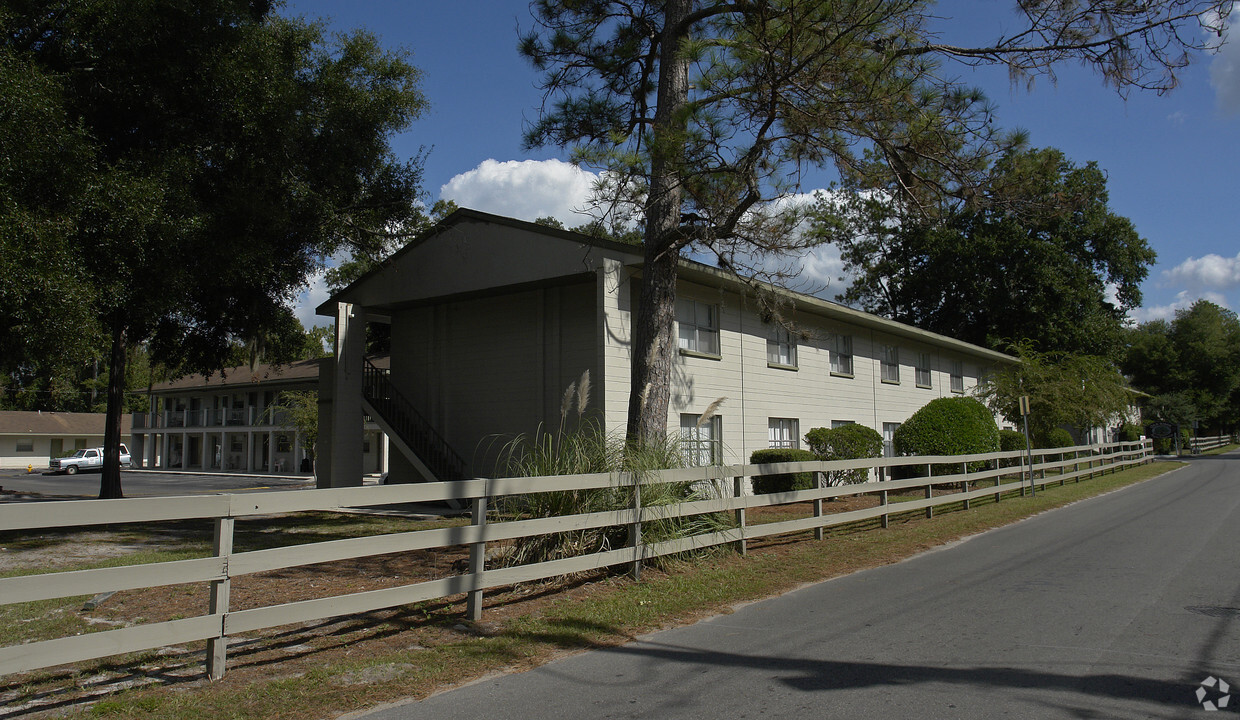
x: 1183, y: 300
x: 525, y: 189
x: 1211, y: 272
x: 308, y: 299
x: 1225, y: 70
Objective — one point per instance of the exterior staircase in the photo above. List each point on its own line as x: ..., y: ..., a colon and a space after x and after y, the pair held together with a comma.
x: 416, y: 438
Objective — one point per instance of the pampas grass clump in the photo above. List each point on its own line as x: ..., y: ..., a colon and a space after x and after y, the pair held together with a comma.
x: 586, y: 448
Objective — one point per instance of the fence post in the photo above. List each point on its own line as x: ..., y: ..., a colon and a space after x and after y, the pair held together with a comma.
x: 822, y: 482
x: 998, y: 481
x: 1023, y: 471
x: 883, y: 501
x: 477, y: 559
x: 217, y: 648
x: 635, y: 530
x: 929, y: 489
x: 964, y: 467
x: 738, y: 490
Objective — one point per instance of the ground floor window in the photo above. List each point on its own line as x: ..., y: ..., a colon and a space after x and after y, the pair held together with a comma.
x: 889, y: 436
x: 701, y: 440
x: 25, y: 445
x: 783, y: 432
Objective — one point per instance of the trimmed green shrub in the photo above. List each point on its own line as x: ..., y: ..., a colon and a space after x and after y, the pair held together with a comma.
x: 784, y: 482
x: 847, y: 442
x: 948, y: 426
x: 1010, y: 440
x: 1166, y: 446
x: 1129, y: 433
x: 1056, y: 438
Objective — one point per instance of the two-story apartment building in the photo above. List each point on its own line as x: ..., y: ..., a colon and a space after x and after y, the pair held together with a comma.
x: 492, y: 318
x: 235, y: 422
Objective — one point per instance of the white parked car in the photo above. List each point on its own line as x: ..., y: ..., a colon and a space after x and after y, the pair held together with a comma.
x: 88, y: 459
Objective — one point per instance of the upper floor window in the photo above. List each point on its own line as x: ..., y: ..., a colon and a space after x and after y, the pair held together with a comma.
x: 923, y: 369
x: 781, y: 348
x: 957, y: 377
x: 698, y: 324
x: 890, y: 362
x: 784, y: 432
x: 841, y: 355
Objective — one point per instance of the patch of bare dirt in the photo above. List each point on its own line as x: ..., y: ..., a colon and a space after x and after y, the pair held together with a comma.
x: 294, y: 650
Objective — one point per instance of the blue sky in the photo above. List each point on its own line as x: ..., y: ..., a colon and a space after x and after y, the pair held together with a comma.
x: 1171, y: 160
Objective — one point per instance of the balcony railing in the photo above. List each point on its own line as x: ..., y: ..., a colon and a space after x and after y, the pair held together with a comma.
x: 212, y: 418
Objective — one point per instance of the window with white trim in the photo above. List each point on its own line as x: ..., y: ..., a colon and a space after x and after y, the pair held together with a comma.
x: 783, y: 432
x: 781, y: 348
x: 890, y: 362
x: 889, y: 439
x: 841, y: 355
x: 923, y: 370
x: 701, y: 440
x: 837, y: 424
x: 698, y: 326
x: 957, y: 376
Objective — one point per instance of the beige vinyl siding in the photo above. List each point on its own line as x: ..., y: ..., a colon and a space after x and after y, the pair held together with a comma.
x: 616, y: 291
x: 756, y: 391
x: 487, y: 369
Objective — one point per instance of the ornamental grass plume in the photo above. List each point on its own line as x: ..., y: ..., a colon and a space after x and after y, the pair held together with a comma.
x: 589, y: 448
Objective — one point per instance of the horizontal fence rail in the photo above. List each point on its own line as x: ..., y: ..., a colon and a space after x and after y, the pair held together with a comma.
x: 1199, y: 445
x: 1000, y: 473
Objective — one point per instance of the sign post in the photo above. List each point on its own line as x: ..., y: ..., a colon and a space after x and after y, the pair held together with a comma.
x: 1024, y: 414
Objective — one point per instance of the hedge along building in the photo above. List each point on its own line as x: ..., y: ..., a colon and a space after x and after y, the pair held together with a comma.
x: 493, y: 318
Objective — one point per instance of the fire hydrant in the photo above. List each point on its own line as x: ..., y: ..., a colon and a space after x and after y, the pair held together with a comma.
x: 29, y: 469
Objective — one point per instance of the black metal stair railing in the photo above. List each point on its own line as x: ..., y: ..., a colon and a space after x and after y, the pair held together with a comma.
x: 409, y: 425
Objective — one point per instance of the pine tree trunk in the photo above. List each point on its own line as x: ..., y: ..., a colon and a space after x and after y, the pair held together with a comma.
x: 110, y: 484
x: 654, y: 343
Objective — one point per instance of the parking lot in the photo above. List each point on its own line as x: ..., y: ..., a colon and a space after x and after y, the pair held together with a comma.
x: 17, y: 484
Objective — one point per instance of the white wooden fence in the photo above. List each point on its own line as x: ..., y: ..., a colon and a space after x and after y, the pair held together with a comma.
x: 1003, y: 473
x: 1199, y: 445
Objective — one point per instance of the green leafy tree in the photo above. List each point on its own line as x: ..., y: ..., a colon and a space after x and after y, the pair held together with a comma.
x: 46, y: 318
x: 1190, y: 365
x: 1035, y: 263
x: 299, y: 412
x: 1081, y: 391
x: 703, y: 112
x: 226, y: 151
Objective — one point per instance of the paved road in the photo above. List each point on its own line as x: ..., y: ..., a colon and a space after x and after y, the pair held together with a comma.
x: 1116, y: 607
x: 142, y: 483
